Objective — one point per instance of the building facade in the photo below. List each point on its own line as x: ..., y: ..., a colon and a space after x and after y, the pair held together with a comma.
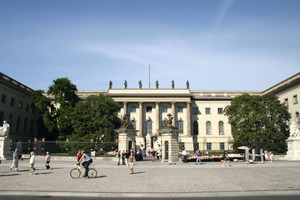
x: 17, y: 109
x: 198, y: 115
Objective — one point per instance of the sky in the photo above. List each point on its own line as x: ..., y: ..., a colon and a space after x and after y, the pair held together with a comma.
x: 244, y: 45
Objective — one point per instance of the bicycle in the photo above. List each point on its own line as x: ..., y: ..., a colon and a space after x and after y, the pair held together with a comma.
x: 76, y: 172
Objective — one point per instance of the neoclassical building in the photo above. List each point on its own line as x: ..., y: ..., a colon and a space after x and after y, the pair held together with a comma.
x: 197, y: 114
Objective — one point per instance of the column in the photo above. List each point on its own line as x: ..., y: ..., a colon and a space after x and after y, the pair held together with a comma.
x: 157, y: 117
x: 125, y: 107
x: 173, y: 112
x: 188, y: 118
x: 140, y: 133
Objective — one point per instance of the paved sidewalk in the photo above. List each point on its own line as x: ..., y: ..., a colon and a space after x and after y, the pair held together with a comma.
x: 154, y: 179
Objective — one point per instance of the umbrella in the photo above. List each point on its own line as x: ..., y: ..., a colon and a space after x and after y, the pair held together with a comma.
x: 243, y: 147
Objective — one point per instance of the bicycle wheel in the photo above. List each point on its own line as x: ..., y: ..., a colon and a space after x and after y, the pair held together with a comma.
x: 92, y: 173
x: 75, y: 173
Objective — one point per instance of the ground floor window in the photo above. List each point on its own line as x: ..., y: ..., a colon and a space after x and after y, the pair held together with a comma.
x: 181, y: 146
x: 208, y: 146
x: 222, y: 146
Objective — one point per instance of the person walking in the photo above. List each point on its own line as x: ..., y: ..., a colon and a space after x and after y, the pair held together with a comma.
x: 32, y: 163
x: 226, y: 159
x: 48, y: 157
x: 184, y: 160
x: 266, y: 156
x: 119, y: 157
x: 153, y: 155
x: 270, y: 156
x: 198, y: 153
x: 131, y: 162
x: 16, y: 158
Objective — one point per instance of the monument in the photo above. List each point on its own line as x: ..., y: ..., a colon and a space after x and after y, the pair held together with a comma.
x: 127, y: 134
x: 293, y: 143
x: 169, y: 141
x: 5, y: 142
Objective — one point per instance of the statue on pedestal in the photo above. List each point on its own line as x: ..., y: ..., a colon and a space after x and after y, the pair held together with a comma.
x: 4, y: 130
x: 148, y: 139
x: 294, y: 131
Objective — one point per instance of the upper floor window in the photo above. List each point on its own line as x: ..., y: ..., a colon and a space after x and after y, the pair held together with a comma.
x: 12, y: 102
x: 196, y: 110
x: 132, y: 108
x: 164, y: 109
x: 295, y: 98
x: 149, y: 109
x: 20, y: 105
x: 286, y: 102
x: 220, y: 110
x: 208, y: 128
x: 27, y: 107
x: 3, y: 100
x: 179, y: 108
x: 207, y: 111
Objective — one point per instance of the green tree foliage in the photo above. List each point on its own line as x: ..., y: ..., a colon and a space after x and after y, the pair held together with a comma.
x: 56, y: 111
x: 259, y: 118
x: 95, y: 118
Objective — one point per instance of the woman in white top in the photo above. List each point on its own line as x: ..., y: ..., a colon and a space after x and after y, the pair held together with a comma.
x: 32, y: 162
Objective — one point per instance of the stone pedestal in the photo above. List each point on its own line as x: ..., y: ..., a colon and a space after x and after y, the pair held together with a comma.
x: 4, y: 149
x: 170, y: 145
x: 127, y: 138
x: 293, y: 148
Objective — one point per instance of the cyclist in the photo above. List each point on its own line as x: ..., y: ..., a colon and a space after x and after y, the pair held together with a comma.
x: 86, y: 163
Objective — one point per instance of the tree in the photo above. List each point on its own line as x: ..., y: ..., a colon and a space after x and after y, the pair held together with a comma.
x: 259, y: 119
x: 56, y: 110
x: 96, y: 118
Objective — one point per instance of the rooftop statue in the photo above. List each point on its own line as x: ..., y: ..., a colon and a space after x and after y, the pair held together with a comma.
x: 140, y: 84
x: 157, y: 84
x: 173, y: 84
x: 187, y: 84
x: 4, y: 130
x: 125, y: 84
x: 110, y: 84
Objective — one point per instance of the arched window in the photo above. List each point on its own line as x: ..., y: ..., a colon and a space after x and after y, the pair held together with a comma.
x: 149, y: 126
x: 208, y: 128
x: 221, y: 128
x: 18, y: 123
x: 195, y: 128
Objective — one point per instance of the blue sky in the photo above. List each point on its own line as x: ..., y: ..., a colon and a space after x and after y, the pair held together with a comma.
x: 216, y: 45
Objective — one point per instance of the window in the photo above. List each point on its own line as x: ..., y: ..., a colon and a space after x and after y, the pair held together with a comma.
x: 208, y: 128
x: 3, y: 100
x: 221, y: 128
x: 133, y: 123
x: 286, y: 102
x: 208, y: 146
x: 181, y: 146
x: 148, y: 126
x: 132, y: 108
x: 164, y: 109
x: 27, y: 107
x: 222, y: 146
x: 298, y: 119
x: 196, y: 111
x: 220, y: 110
x: 295, y: 98
x: 20, y: 105
x: 1, y: 118
x: 195, y: 128
x: 12, y: 102
x: 148, y: 109
x: 18, y: 123
x: 180, y: 126
x: 180, y: 109
x: 207, y: 111
x: 25, y: 125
